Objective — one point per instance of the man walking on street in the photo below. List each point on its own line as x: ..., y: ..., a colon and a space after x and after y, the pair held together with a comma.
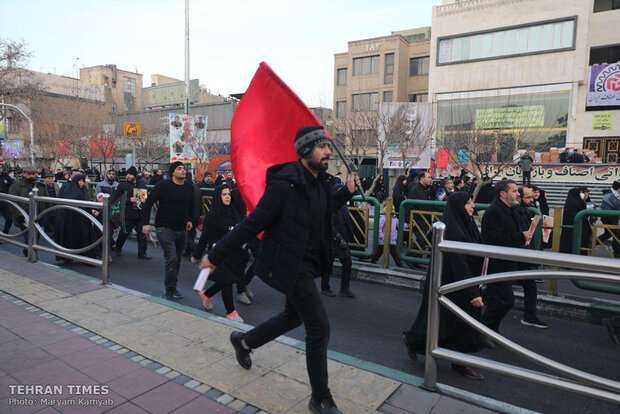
x: 526, y: 166
x: 5, y: 184
x: 295, y: 214
x: 109, y: 183
x: 173, y: 220
x: 134, y: 215
x: 419, y: 226
x: 530, y: 292
x: 501, y: 227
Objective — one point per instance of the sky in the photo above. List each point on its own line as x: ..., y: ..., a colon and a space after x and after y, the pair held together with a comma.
x: 228, y: 39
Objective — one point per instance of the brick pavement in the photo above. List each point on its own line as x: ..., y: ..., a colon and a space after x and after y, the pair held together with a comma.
x: 63, y: 330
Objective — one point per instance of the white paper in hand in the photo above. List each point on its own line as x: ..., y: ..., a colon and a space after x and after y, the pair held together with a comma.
x: 201, y: 281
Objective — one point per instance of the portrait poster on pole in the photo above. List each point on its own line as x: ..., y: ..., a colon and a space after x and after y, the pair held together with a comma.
x: 188, y: 136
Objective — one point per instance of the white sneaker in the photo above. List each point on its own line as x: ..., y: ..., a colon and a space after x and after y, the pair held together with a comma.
x: 234, y: 316
x: 249, y: 293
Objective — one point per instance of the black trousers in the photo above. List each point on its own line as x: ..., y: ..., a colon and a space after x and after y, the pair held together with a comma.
x: 345, y: 275
x: 305, y: 306
x: 141, y: 237
x: 608, y: 233
x: 500, y: 299
x: 527, y: 177
x: 249, y: 273
x: 530, y: 293
x: 8, y: 217
x: 227, y: 295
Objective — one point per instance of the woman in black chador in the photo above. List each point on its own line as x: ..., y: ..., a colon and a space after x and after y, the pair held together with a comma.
x: 399, y: 191
x: 576, y: 200
x: 453, y: 332
x: 222, y: 218
x: 72, y: 229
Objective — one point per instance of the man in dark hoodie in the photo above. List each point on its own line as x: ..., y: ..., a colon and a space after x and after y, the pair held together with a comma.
x: 295, y: 214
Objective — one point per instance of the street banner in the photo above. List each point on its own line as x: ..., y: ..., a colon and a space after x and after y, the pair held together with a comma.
x: 188, y: 137
x: 263, y: 131
x: 585, y: 173
x: 604, y: 85
x: 407, y: 127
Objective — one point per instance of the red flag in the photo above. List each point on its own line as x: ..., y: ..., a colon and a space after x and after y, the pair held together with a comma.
x: 263, y: 131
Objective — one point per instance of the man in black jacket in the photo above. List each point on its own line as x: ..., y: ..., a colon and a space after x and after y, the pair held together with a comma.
x: 501, y: 226
x: 419, y: 226
x: 133, y: 214
x: 5, y: 183
x: 295, y: 213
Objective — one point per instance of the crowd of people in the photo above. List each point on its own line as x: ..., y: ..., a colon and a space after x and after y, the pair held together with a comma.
x: 305, y: 226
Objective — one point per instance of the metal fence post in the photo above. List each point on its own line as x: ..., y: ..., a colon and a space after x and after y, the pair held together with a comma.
x: 432, y: 333
x: 387, y: 232
x: 105, y: 243
x: 555, y: 245
x: 32, y: 214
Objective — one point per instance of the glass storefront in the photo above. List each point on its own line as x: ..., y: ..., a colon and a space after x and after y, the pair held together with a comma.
x: 500, y: 122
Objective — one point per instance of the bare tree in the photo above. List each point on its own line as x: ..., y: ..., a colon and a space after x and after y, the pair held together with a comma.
x: 152, y: 147
x: 483, y: 138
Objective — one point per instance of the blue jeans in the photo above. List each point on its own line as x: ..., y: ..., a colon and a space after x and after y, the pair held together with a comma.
x: 172, y: 243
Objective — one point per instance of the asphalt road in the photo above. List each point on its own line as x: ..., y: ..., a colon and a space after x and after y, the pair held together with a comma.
x: 369, y: 328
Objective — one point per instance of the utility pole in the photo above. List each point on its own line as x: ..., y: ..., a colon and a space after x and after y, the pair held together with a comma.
x: 187, y: 56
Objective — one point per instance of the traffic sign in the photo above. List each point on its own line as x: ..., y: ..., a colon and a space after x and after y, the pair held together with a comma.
x: 133, y: 130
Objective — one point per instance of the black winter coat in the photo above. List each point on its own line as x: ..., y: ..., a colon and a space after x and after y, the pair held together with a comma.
x: 131, y: 211
x: 501, y: 226
x: 283, y: 214
x: 418, y: 192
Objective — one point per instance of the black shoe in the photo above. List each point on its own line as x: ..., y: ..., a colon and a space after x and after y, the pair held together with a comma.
x: 177, y: 295
x: 347, y: 294
x: 243, y: 355
x: 327, y: 406
x: 328, y: 292
x: 534, y: 323
x: 144, y: 257
x: 25, y: 252
x: 488, y: 343
x: 412, y: 354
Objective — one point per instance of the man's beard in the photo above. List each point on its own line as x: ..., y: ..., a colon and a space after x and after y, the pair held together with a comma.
x: 318, y: 165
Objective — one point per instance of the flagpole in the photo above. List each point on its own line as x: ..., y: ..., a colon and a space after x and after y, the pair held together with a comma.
x: 349, y: 169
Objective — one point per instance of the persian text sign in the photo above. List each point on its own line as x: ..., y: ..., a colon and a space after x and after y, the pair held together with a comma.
x: 602, y: 121
x: 562, y: 172
x: 604, y: 85
x: 531, y: 116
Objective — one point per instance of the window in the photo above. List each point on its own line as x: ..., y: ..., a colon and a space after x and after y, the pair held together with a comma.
x: 342, y: 76
x: 415, y: 37
x: 419, y: 66
x: 341, y: 109
x: 388, y: 96
x: 418, y: 97
x: 388, y: 76
x: 605, y: 54
x: 549, y: 36
x: 606, y: 5
x: 365, y: 102
x: 368, y: 65
x: 130, y: 86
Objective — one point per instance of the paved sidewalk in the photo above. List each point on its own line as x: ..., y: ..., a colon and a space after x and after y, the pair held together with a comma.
x: 103, y: 349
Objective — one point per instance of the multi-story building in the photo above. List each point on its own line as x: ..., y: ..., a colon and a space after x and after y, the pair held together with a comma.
x: 390, y: 68
x: 534, y: 74
x: 123, y: 88
x: 64, y: 111
x: 166, y: 92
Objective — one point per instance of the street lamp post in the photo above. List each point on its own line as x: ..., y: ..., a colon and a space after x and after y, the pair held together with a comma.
x: 31, y: 129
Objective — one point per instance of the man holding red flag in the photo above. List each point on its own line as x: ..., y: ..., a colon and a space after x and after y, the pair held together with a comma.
x: 295, y: 214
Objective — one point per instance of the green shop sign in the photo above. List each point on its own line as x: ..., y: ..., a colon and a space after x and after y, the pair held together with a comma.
x: 510, y: 117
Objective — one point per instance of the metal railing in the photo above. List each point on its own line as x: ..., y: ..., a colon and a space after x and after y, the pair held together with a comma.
x: 576, y: 247
x: 360, y: 219
x: 32, y: 221
x: 576, y: 381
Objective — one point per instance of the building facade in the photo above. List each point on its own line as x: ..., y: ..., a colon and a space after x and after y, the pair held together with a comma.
x: 123, y: 88
x: 529, y: 74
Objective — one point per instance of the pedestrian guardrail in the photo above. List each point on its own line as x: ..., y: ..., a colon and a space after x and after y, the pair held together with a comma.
x: 422, y: 216
x: 33, y: 220
x: 596, y: 269
x: 14, y: 201
x: 360, y: 219
x: 577, y: 248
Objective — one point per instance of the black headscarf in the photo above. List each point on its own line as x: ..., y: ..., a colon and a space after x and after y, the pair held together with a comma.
x: 398, y: 185
x: 226, y: 215
x: 460, y: 226
x: 73, y: 190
